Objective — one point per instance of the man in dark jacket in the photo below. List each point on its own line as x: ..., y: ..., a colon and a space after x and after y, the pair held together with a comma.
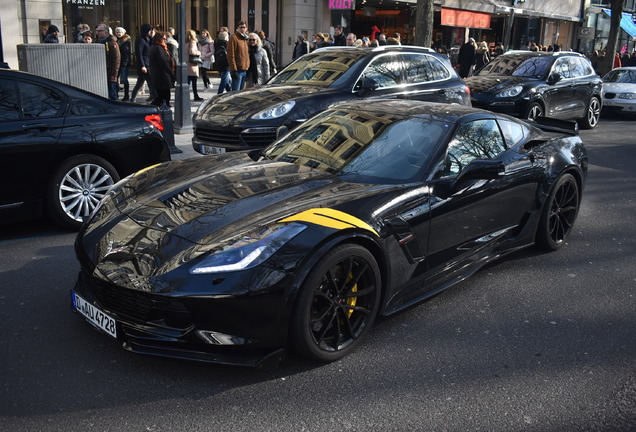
x: 113, y: 57
x: 142, y: 48
x: 466, y: 58
x: 339, y: 38
x: 51, y: 34
x: 222, y: 66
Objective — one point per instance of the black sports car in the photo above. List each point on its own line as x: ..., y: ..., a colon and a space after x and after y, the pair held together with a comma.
x: 61, y: 148
x: 363, y: 210
x: 253, y: 118
x: 561, y: 85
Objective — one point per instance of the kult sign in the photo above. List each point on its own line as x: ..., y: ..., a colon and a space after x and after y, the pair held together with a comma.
x: 342, y: 4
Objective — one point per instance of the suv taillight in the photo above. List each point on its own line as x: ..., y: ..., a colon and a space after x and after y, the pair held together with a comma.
x: 155, y: 120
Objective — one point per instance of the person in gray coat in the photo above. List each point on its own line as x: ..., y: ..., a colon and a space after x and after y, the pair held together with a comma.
x: 258, y: 72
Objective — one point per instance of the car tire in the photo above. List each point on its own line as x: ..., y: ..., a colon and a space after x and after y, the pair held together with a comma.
x: 76, y: 187
x: 337, y: 304
x: 592, y: 114
x: 535, y: 109
x: 559, y: 213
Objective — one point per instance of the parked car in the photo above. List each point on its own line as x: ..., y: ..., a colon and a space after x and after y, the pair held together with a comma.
x: 363, y: 210
x: 253, y: 118
x: 619, y: 90
x: 561, y: 85
x: 61, y: 148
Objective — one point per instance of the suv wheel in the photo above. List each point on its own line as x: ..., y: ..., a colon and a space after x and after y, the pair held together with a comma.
x: 592, y: 114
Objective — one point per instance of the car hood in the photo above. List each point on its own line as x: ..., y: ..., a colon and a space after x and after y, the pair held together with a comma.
x: 619, y: 87
x: 494, y: 84
x: 237, y: 107
x: 167, y: 216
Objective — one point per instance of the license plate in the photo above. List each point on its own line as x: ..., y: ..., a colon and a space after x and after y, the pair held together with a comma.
x: 212, y: 150
x: 94, y: 315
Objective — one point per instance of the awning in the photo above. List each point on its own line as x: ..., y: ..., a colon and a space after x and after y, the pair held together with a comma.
x: 626, y: 22
x: 464, y: 18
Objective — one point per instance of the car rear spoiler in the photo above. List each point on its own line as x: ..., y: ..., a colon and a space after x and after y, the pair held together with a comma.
x: 555, y: 125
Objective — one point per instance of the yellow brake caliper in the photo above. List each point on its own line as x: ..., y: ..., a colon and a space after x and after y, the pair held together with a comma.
x: 351, y: 301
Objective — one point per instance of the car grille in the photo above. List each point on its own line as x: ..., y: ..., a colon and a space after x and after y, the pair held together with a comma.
x: 253, y: 137
x: 609, y: 95
x: 136, y: 304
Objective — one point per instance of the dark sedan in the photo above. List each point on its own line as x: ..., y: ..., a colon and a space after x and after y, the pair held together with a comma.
x: 62, y: 148
x: 365, y: 209
x: 527, y: 84
x: 254, y: 117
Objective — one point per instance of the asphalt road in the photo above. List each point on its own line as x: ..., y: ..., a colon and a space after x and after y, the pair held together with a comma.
x: 536, y: 342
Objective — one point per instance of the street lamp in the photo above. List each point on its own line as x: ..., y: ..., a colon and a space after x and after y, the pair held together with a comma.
x: 183, y: 114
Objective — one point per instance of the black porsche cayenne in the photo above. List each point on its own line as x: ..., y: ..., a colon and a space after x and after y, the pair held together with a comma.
x: 252, y: 118
x: 533, y: 84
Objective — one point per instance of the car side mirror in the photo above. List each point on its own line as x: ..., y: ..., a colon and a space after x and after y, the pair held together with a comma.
x: 554, y: 78
x: 368, y: 85
x: 481, y: 170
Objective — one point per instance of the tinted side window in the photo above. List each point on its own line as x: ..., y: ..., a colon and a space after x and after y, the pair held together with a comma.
x: 38, y: 101
x: 424, y: 68
x: 480, y: 139
x: 581, y: 67
x: 385, y: 70
x: 9, y: 102
x: 513, y: 132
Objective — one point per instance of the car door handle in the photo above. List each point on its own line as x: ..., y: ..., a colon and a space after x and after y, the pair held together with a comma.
x: 39, y: 126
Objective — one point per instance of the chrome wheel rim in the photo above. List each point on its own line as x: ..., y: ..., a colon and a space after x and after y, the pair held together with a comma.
x: 563, y: 211
x: 343, y: 304
x: 82, y: 188
x: 593, y: 112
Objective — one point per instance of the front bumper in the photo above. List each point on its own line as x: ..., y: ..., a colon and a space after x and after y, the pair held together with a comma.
x: 620, y: 105
x: 169, y: 326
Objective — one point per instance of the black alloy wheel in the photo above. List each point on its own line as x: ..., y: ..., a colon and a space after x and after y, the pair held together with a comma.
x: 337, y: 303
x: 559, y: 213
x: 534, y: 110
x: 76, y: 188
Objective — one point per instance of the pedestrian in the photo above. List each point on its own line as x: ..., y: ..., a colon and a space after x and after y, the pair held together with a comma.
x: 481, y: 55
x: 193, y: 67
x: 238, y: 56
x: 142, y: 49
x: 466, y: 58
x: 52, y: 34
x: 113, y: 57
x: 87, y: 37
x: 161, y: 69
x: 351, y: 39
x: 125, y: 51
x: 258, y: 72
x: 206, y: 46
x: 617, y: 61
x: 632, y: 59
x: 270, y: 49
x: 173, y: 46
x: 339, y: 38
x: 222, y: 66
x: 382, y: 39
x: 78, y: 34
x: 301, y: 47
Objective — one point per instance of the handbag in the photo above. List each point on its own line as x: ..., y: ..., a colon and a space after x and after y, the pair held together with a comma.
x: 195, y: 59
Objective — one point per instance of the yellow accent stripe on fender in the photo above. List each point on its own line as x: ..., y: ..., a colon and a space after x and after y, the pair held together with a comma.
x: 330, y: 218
x: 145, y: 169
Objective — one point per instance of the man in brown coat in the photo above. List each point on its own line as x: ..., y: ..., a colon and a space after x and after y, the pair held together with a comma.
x: 113, y: 57
x: 238, y: 56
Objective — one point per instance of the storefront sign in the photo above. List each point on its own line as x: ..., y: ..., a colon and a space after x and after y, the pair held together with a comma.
x: 87, y: 2
x: 342, y: 4
x: 463, y: 18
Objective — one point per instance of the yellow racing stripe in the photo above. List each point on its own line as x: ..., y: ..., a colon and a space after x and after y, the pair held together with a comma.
x: 330, y: 218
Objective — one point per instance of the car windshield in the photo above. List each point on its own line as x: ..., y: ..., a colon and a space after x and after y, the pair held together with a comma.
x: 363, y: 147
x: 621, y: 76
x: 511, y: 65
x: 320, y: 68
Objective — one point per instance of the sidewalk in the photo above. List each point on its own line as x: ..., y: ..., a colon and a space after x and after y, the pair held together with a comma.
x: 183, y: 141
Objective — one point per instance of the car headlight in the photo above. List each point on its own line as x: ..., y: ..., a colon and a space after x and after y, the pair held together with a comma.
x: 510, y: 92
x: 275, y: 111
x: 629, y: 96
x: 249, y: 250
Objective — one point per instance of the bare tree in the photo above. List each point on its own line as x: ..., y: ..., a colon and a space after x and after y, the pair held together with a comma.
x: 605, y: 65
x: 424, y: 23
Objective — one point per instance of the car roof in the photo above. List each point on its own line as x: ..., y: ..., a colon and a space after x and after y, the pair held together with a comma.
x: 524, y: 53
x: 451, y: 113
x: 407, y: 48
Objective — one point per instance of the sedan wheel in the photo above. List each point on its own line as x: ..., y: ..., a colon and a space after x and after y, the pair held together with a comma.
x: 593, y: 114
x: 535, y: 110
x: 77, y: 187
x: 559, y: 213
x: 337, y: 303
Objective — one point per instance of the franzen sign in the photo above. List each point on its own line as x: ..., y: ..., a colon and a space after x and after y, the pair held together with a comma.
x: 342, y: 4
